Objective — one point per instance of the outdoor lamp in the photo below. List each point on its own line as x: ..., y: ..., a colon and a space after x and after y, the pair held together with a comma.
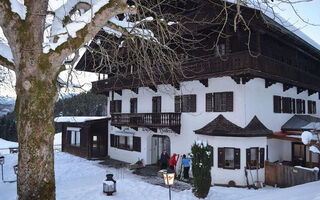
x: 169, y: 179
x: 1, y: 160
x: 109, y: 185
x: 15, y: 168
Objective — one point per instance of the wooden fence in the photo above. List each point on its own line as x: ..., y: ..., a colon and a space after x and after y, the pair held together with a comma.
x: 285, y: 176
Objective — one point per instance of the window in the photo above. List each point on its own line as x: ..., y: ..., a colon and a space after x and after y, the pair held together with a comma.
x: 211, y: 154
x: 115, y: 106
x: 219, y: 102
x: 229, y: 158
x: 156, y: 104
x: 301, y: 106
x: 125, y: 142
x: 286, y: 105
x: 276, y: 104
x: 312, y: 107
x: 137, y: 144
x: 75, y: 138
x: 133, y: 105
x: 220, y: 50
x: 185, y: 103
x: 252, y: 155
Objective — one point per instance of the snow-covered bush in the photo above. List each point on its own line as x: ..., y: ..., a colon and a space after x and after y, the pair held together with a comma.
x: 201, y: 167
x: 307, y: 138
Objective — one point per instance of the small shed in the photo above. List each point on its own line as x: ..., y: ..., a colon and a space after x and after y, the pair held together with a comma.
x: 84, y: 136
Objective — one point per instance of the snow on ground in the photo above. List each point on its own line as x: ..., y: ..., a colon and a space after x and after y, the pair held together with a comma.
x: 78, y: 178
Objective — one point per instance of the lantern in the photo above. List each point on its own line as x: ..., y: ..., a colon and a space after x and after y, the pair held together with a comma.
x: 109, y: 185
x: 168, y: 178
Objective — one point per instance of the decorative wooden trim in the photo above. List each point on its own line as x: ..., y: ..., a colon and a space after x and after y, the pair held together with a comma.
x: 246, y: 79
x: 135, y: 90
x: 153, y: 88
x: 311, y: 92
x: 300, y: 89
x: 286, y: 86
x: 119, y: 92
x: 204, y: 82
x: 236, y: 79
x: 268, y: 83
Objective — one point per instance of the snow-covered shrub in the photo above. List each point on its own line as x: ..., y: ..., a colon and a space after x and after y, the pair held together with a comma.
x: 307, y: 138
x: 201, y: 167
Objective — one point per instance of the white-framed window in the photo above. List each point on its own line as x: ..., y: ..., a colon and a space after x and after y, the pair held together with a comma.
x: 75, y: 138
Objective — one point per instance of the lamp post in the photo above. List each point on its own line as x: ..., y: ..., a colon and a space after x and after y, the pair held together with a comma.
x: 1, y: 163
x: 109, y: 185
x: 168, y: 177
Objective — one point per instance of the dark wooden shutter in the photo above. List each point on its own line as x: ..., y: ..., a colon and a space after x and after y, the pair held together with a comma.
x: 220, y: 157
x: 248, y: 158
x: 112, y: 106
x: 314, y: 107
x: 177, y: 104
x: 309, y: 107
x: 112, y: 140
x: 137, y: 144
x: 276, y: 104
x: 293, y: 106
x: 303, y: 106
x: 261, y: 157
x: 156, y: 104
x: 209, y: 102
x: 193, y: 103
x: 229, y: 101
x: 237, y: 158
x: 211, y: 155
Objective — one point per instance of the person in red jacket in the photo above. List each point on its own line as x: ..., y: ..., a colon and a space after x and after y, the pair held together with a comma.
x: 173, y: 161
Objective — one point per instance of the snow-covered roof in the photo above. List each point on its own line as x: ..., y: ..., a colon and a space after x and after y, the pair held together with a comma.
x: 76, y: 119
x: 270, y: 14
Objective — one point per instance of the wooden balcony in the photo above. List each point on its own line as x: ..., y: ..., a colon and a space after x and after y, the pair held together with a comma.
x: 148, y: 120
x: 239, y: 64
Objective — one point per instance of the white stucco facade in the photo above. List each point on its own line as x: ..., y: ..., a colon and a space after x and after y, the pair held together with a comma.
x: 249, y: 100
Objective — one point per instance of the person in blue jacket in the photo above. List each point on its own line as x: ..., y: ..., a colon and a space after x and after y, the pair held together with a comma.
x: 186, y: 166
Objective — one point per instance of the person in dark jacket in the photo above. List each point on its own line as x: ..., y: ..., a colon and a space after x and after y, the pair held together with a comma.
x: 186, y: 167
x: 173, y: 162
x: 164, y: 159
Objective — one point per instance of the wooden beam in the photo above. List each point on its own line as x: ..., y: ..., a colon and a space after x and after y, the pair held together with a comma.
x: 153, y: 88
x: 119, y: 92
x: 246, y: 79
x: 286, y: 86
x: 300, y: 89
x: 135, y: 90
x: 268, y: 83
x: 204, y: 82
x: 236, y: 79
x: 311, y: 92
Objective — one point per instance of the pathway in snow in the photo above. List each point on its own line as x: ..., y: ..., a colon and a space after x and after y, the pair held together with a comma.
x: 78, y: 178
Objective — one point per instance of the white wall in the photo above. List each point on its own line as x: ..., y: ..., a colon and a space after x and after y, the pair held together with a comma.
x: 249, y: 100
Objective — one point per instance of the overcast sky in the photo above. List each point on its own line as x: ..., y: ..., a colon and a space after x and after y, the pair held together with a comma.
x: 309, y: 11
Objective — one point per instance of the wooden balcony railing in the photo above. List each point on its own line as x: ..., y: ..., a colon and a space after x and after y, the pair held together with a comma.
x: 148, y: 120
x: 238, y: 63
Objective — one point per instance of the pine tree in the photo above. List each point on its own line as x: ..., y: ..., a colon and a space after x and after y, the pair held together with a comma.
x: 201, y: 167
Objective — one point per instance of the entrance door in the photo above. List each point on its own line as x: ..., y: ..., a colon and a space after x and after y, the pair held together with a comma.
x: 98, y: 146
x: 159, y: 143
x: 298, y: 154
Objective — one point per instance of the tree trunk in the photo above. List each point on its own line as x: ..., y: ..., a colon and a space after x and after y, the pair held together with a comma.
x: 36, y: 95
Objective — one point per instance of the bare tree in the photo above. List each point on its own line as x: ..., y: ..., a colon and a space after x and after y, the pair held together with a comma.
x: 152, y: 38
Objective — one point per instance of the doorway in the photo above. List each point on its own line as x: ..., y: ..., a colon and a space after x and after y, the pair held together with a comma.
x: 298, y: 154
x: 158, y: 144
x: 98, y: 146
